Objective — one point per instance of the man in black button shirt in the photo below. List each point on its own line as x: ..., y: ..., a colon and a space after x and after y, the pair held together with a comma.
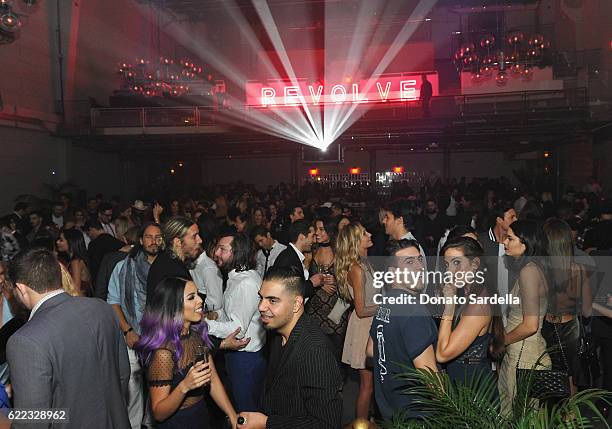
x: 303, y: 381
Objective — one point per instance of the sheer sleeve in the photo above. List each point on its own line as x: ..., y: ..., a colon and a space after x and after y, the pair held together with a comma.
x: 161, y: 369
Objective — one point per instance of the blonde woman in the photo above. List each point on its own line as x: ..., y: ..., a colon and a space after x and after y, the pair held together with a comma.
x: 355, y: 280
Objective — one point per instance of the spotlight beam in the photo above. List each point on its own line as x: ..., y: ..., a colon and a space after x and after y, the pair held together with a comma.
x: 233, y: 9
x: 263, y: 10
x: 217, y: 60
x: 418, y: 15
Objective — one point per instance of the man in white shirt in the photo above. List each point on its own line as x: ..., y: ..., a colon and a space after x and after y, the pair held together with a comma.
x: 57, y: 214
x: 398, y: 221
x: 269, y: 249
x: 207, y: 277
x: 246, y: 368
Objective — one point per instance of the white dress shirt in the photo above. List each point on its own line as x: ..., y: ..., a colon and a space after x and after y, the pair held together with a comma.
x: 276, y: 249
x: 502, y: 275
x: 207, y: 277
x: 240, y: 309
x: 109, y: 228
x: 302, y: 257
x: 58, y: 221
x: 42, y: 301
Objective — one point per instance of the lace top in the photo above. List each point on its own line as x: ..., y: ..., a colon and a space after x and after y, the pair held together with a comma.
x: 163, y: 371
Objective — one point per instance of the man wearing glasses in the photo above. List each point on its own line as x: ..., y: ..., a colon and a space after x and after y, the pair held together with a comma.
x: 105, y: 216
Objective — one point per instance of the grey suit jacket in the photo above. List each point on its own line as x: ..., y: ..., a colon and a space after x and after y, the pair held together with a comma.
x: 72, y: 355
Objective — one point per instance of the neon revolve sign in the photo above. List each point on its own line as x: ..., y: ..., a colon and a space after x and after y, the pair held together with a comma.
x: 381, y: 89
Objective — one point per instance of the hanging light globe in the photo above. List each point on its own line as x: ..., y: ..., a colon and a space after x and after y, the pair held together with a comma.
x: 9, y: 22
x: 502, y: 78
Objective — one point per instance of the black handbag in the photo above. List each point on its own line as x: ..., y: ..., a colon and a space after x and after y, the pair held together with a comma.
x: 546, y: 383
x: 586, y: 349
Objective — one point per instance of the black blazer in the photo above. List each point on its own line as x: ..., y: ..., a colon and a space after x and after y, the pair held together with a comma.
x: 290, y: 259
x: 303, y: 383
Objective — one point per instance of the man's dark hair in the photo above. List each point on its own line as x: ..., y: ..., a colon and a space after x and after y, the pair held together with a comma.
x: 498, y: 211
x: 92, y: 224
x: 233, y: 213
x: 292, y: 206
x: 20, y: 206
x: 459, y: 231
x: 35, y: 212
x: 57, y: 204
x: 242, y: 251
x: 338, y: 205
x: 259, y: 230
x: 296, y: 228
x: 38, y: 269
x: 395, y: 246
x: 143, y: 228
x: 289, y: 277
x: 401, y: 208
x: 209, y: 231
x: 104, y: 207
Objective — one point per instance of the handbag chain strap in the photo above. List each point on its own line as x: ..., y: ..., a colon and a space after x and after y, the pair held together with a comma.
x: 561, y: 347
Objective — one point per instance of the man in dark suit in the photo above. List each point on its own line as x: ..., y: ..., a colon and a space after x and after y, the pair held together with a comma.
x: 499, y: 219
x: 303, y: 382
x: 100, y: 245
x: 301, y: 236
x: 70, y: 354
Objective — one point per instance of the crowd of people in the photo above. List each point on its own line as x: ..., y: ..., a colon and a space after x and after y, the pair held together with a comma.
x: 235, y: 307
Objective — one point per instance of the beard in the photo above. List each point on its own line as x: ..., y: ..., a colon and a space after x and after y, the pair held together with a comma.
x: 226, y: 266
x: 190, y: 261
x: 151, y: 251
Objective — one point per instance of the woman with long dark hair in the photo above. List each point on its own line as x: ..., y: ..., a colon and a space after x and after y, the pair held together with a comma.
x: 172, y: 341
x: 525, y: 247
x: 569, y: 286
x: 72, y: 244
x: 320, y: 306
x: 466, y: 331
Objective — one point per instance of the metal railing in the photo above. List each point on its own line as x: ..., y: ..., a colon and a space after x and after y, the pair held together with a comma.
x: 450, y: 106
x: 148, y: 117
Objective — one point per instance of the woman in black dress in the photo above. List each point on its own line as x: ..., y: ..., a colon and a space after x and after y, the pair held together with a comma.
x: 467, y: 331
x: 172, y: 346
x: 326, y: 297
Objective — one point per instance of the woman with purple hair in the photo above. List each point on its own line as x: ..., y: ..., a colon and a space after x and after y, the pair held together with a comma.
x: 172, y: 348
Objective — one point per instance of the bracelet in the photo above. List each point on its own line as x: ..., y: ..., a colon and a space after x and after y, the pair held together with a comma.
x: 126, y: 332
x: 449, y: 318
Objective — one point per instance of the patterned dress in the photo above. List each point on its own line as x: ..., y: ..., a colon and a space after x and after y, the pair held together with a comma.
x: 318, y: 308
